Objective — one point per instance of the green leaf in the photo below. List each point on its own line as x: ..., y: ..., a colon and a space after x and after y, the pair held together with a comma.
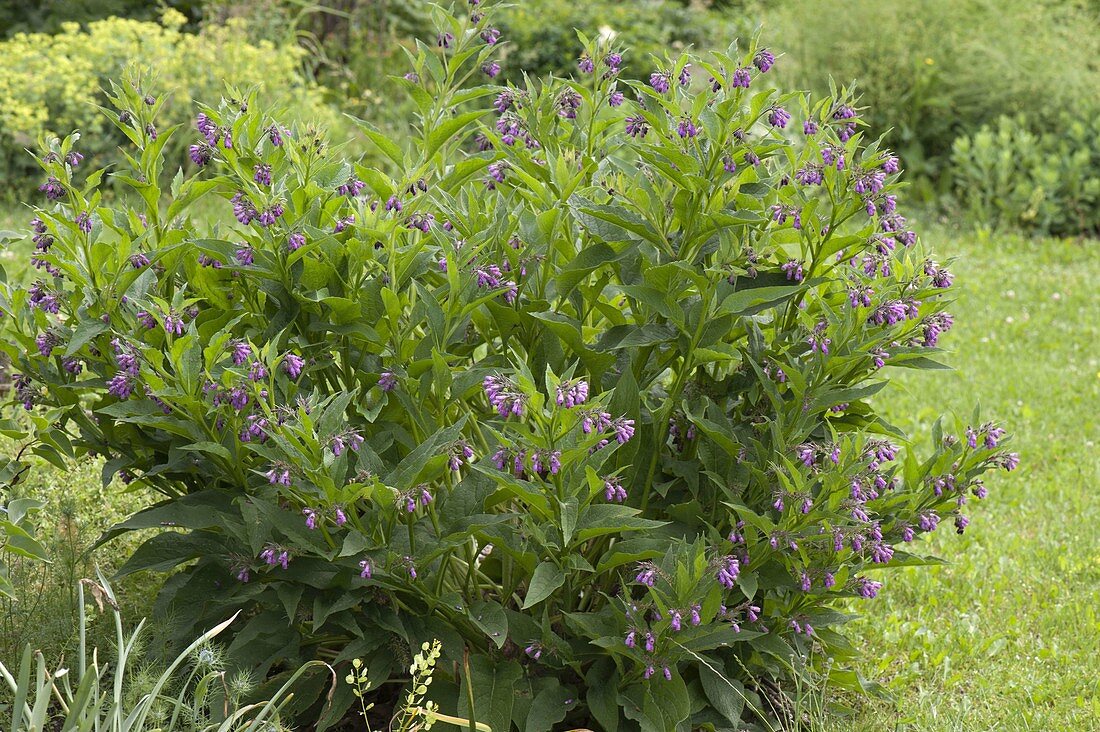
x: 727, y: 696
x: 493, y: 621
x: 406, y: 473
x: 492, y: 688
x: 167, y: 551
x: 384, y: 143
x: 546, y: 578
x: 448, y: 129
x: 550, y: 706
x: 85, y: 332
x: 604, y: 518
x: 603, y: 691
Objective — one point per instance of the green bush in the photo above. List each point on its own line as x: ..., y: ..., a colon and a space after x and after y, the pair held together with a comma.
x: 51, y: 84
x: 542, y: 36
x: 1008, y: 175
x: 581, y: 384
x: 931, y: 70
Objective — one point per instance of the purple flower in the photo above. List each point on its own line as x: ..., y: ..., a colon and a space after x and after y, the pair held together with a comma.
x: 647, y: 575
x: 257, y: 371
x: 818, y: 342
x: 809, y: 128
x: 207, y: 128
x: 586, y: 65
x: 490, y: 69
x: 46, y: 342
x: 52, y: 188
x: 238, y: 398
x: 779, y: 117
x: 365, y: 568
x: 728, y: 570
x: 74, y: 158
x: 568, y: 103
x: 687, y: 128
x: 311, y: 518
x: 867, y: 589
x: 278, y: 475
x: 613, y: 61
x: 292, y: 365
x: 444, y: 40
x: 890, y: 165
x: 343, y: 223
x: 763, y: 60
x: 268, y: 216
x: 490, y: 36
x: 613, y: 490
x: 244, y: 256
x: 84, y: 222
x: 572, y: 393
x: 793, y: 269
x: 676, y: 619
x: 661, y: 81
x: 201, y: 153
x: 636, y: 126
x: 262, y: 174
x: 624, y: 429
x: 685, y: 75
x: 121, y: 385
x: 273, y: 555
x: 275, y: 135
x: 504, y: 396
x: 240, y: 351
x: 615, y: 99
x: 387, y: 381
x: 137, y: 261
x: 809, y: 176
x: 729, y: 164
x: 173, y: 323
x: 741, y: 77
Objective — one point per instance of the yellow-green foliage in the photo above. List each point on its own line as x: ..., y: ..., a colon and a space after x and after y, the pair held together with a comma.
x: 51, y: 83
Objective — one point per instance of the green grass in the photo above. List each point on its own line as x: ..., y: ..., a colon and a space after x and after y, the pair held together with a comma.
x: 1005, y: 637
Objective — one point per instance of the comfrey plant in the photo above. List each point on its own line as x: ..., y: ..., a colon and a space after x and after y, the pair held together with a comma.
x: 579, y: 385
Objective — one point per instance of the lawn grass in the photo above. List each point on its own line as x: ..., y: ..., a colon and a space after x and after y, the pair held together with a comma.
x: 1006, y: 636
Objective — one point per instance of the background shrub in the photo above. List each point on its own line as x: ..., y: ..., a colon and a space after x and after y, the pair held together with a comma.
x: 51, y: 84
x: 1007, y: 175
x: 582, y: 387
x: 930, y: 70
x: 543, y: 36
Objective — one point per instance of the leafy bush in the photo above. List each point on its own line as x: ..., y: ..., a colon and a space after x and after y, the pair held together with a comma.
x: 583, y: 391
x: 542, y: 36
x: 80, y: 63
x: 931, y: 70
x: 1008, y: 175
